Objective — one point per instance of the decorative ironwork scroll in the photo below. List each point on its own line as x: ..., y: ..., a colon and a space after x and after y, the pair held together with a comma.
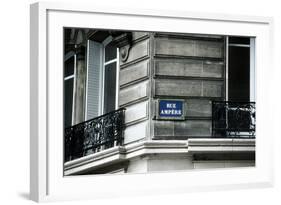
x: 233, y: 119
x: 94, y: 135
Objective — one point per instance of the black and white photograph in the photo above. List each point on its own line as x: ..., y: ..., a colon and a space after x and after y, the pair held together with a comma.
x: 146, y: 102
x: 140, y: 102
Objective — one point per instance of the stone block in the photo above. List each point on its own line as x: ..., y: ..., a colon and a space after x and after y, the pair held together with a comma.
x: 213, y: 88
x: 169, y: 163
x: 213, y: 69
x: 198, y: 108
x: 196, y: 128
x: 189, y: 68
x: 133, y: 93
x: 178, y: 67
x: 134, y: 72
x: 187, y: 47
x: 174, y: 87
x: 138, y: 35
x: 209, y: 49
x: 180, y: 47
x: 136, y: 112
x: 138, y: 165
x: 136, y: 132
x: 163, y: 128
x: 208, y: 165
x: 137, y: 51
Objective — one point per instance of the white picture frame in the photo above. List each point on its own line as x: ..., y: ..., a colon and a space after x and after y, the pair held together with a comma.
x: 46, y: 135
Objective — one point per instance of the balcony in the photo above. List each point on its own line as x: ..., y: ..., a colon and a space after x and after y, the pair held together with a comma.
x: 233, y: 119
x: 94, y: 135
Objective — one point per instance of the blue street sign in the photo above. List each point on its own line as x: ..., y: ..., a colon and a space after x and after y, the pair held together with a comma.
x: 170, y: 108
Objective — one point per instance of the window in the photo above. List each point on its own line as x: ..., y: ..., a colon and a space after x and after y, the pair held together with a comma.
x: 69, y: 83
x: 102, y: 78
x: 240, y: 70
x: 236, y: 116
x: 110, y: 73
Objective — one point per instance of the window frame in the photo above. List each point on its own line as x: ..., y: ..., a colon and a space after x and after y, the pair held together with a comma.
x: 252, y: 91
x: 252, y: 74
x: 104, y: 63
x: 104, y: 43
x: 67, y: 56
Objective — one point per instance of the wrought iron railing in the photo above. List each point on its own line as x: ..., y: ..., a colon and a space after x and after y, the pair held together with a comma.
x: 233, y: 119
x: 94, y: 135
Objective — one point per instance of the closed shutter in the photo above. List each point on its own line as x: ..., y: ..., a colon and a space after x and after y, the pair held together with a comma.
x: 93, y: 79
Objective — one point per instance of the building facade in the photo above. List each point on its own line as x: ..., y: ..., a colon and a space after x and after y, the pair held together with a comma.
x: 138, y: 102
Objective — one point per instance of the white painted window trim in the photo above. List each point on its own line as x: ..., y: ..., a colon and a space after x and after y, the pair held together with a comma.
x: 117, y: 80
x: 69, y: 77
x: 252, y: 70
x: 226, y: 67
x: 102, y: 81
x: 101, y: 108
x: 74, y: 89
x: 109, y: 62
x: 87, y: 75
x: 101, y: 96
x: 104, y: 63
x: 238, y: 45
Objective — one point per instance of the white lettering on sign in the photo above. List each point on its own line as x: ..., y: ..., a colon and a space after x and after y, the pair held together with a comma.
x: 173, y: 112
x: 173, y: 109
x: 171, y: 105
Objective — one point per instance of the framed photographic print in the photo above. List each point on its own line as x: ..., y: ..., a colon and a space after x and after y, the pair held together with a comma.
x: 127, y: 102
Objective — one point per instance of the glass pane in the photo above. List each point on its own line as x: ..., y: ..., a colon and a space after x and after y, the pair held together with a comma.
x: 110, y: 52
x: 68, y: 101
x: 239, y: 40
x: 69, y: 67
x: 239, y: 73
x: 109, y: 87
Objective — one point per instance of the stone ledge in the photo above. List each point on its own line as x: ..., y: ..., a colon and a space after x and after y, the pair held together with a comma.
x: 105, y: 157
x: 221, y: 145
x: 178, y: 147
x: 124, y: 153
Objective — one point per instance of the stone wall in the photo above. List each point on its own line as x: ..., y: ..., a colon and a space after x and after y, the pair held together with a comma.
x: 171, y: 66
x: 189, y: 68
x: 134, y: 82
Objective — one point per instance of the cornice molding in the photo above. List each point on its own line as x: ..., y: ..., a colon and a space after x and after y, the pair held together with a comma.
x: 206, y: 145
x: 143, y: 148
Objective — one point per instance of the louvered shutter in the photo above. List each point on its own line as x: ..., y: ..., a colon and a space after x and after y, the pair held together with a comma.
x: 93, y: 79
